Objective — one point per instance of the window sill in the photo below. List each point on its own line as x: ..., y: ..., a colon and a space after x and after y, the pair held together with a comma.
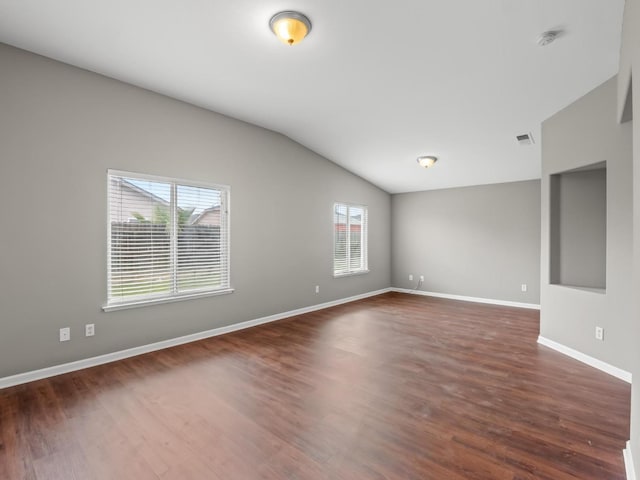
x: 157, y: 301
x: 350, y: 274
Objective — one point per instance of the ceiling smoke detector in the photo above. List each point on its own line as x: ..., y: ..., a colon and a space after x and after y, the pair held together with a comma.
x: 525, y: 139
x: 548, y: 37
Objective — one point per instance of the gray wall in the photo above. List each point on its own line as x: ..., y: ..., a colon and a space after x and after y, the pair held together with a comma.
x: 578, y: 228
x: 584, y: 133
x: 630, y: 57
x: 478, y: 241
x: 61, y: 128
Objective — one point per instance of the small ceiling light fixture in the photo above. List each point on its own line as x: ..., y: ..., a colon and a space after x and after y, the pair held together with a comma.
x: 427, y: 161
x: 290, y: 27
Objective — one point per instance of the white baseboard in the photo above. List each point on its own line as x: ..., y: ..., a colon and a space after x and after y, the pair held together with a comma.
x: 581, y: 357
x: 132, y: 352
x: 505, y: 303
x: 628, y: 462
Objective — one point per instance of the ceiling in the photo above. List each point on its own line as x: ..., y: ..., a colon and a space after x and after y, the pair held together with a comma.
x: 375, y: 84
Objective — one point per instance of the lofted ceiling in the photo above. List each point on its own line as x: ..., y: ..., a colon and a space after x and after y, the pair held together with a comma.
x: 375, y: 84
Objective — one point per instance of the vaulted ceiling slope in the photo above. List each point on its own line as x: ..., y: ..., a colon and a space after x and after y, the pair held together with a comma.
x: 375, y: 84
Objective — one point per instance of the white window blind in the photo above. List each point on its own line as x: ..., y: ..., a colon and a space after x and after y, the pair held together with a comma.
x: 168, y: 239
x: 350, y: 239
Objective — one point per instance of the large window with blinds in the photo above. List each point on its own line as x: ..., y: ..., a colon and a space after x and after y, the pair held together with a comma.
x: 349, y: 239
x: 168, y: 239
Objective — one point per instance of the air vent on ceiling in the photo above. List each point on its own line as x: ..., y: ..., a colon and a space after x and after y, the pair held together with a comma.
x: 525, y: 139
x: 548, y: 37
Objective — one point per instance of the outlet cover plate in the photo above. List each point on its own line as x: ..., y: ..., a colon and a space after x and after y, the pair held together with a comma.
x: 599, y: 333
x: 65, y: 334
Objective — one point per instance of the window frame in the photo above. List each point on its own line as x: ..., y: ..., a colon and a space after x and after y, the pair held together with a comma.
x: 225, y: 242
x: 364, y: 241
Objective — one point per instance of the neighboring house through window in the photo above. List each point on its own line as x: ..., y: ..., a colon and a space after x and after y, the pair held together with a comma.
x: 349, y: 239
x: 168, y: 239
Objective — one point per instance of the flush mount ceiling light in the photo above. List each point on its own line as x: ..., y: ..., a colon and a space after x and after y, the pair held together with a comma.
x: 290, y: 27
x: 427, y: 161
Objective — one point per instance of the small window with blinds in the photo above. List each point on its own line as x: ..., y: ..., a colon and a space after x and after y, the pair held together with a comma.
x: 349, y: 239
x: 168, y: 240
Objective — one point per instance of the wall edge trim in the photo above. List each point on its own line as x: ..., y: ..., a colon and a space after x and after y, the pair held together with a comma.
x: 89, y: 362
x: 586, y: 359
x: 464, y: 298
x: 628, y: 462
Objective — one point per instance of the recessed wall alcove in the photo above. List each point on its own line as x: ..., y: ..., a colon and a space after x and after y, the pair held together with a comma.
x: 578, y: 227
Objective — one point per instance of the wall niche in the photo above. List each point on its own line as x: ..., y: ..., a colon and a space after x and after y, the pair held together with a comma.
x: 578, y: 229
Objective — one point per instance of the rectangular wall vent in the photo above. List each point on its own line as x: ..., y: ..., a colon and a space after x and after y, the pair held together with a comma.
x: 525, y: 139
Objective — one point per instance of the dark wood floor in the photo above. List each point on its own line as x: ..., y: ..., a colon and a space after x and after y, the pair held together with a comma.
x: 392, y: 387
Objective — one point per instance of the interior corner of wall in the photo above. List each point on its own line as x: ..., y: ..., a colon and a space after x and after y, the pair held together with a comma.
x: 625, y: 96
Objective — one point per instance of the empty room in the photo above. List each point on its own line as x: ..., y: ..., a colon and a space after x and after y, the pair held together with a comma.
x: 319, y: 240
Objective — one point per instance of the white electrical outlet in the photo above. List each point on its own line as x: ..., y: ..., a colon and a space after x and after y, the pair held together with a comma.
x: 523, y: 287
x: 599, y: 333
x: 422, y: 278
x: 411, y: 277
x: 89, y: 330
x: 65, y: 334
x: 317, y: 288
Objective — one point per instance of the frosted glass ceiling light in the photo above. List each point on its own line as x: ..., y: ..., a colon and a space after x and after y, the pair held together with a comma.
x: 290, y: 27
x: 427, y: 162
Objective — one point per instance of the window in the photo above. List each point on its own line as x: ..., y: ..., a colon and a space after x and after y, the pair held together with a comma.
x: 349, y: 239
x: 168, y: 240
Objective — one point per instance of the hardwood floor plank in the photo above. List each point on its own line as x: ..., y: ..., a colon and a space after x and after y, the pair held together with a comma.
x: 393, y: 387
x: 15, y: 455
